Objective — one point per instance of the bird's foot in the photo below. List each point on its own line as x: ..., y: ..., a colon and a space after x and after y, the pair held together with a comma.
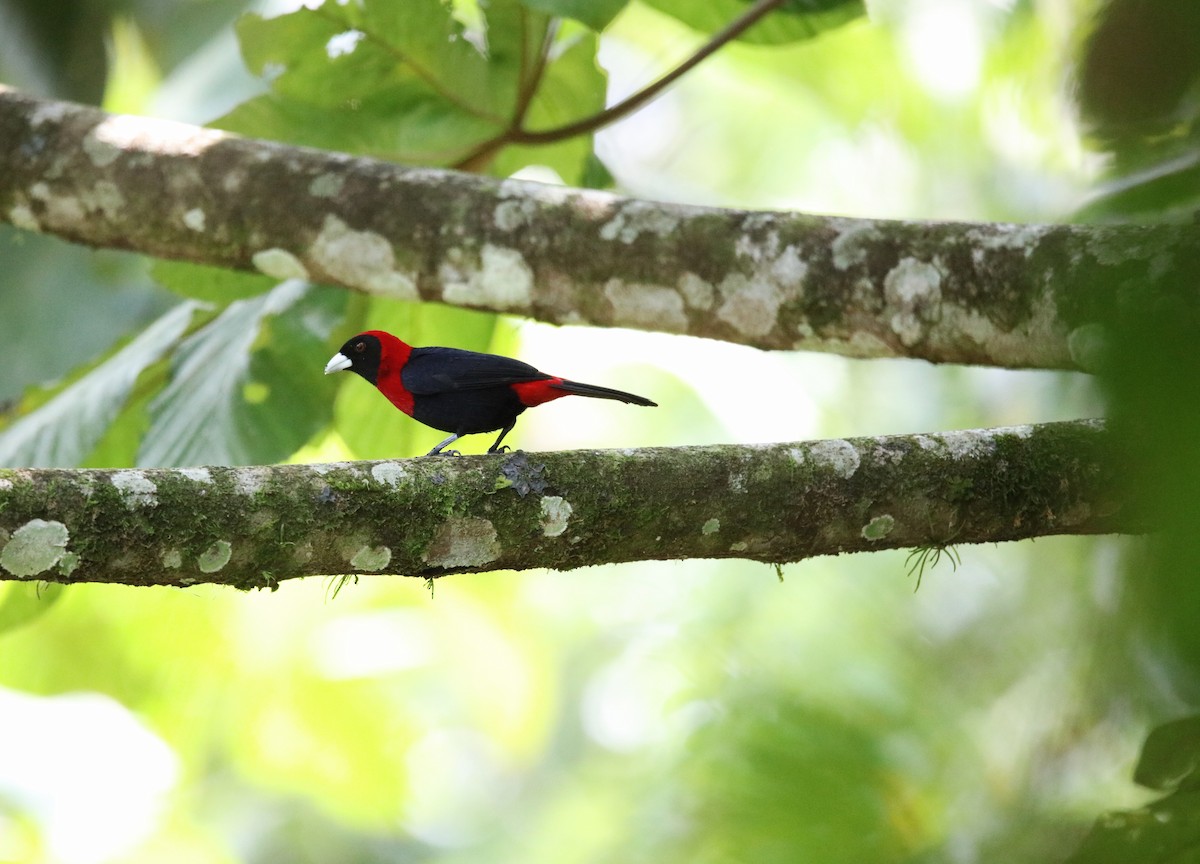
x: 503, y: 449
x: 444, y: 453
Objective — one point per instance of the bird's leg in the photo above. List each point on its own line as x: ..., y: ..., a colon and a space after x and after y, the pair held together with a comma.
x: 438, y: 449
x: 496, y: 448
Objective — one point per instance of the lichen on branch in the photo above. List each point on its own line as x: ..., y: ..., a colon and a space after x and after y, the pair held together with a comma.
x: 995, y: 294
x: 428, y: 517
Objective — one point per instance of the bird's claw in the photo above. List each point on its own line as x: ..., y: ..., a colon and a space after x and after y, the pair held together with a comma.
x: 503, y: 449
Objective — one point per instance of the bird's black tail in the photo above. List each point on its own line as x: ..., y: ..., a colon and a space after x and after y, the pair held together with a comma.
x: 574, y: 387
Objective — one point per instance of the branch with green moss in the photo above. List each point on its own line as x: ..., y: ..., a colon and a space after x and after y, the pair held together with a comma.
x: 428, y: 517
x: 996, y: 294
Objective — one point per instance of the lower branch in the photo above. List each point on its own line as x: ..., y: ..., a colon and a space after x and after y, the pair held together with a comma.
x: 252, y: 527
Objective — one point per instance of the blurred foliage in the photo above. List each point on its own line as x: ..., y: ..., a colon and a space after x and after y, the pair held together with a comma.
x: 672, y: 711
x: 1139, y: 93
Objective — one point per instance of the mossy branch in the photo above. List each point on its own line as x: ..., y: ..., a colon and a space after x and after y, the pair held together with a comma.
x: 1002, y: 295
x: 255, y: 526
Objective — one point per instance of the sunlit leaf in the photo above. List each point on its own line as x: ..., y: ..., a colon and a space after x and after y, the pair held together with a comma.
x: 64, y: 430
x: 794, y: 21
x: 247, y: 387
x: 405, y: 81
x: 23, y: 602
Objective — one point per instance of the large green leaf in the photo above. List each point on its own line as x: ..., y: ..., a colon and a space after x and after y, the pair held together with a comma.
x: 247, y: 388
x: 794, y: 21
x: 405, y: 81
x: 43, y: 286
x: 594, y: 13
x: 64, y: 430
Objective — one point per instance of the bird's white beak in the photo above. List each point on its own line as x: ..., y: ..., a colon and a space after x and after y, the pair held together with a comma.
x: 337, y: 363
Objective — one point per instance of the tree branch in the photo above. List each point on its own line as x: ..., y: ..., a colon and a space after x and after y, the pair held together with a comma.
x: 252, y: 527
x: 1004, y: 295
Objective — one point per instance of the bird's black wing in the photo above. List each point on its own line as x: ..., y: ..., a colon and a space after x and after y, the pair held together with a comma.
x: 444, y: 370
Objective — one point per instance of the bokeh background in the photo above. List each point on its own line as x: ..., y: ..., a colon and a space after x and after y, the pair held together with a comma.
x: 670, y: 712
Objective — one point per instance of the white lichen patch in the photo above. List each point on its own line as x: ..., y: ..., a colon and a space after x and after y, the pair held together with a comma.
x: 1008, y: 236
x: 646, y: 307
x: 135, y: 488
x: 968, y: 444
x: 913, y: 293
x: 50, y: 112
x: 100, y: 151
x: 838, y: 454
x: 372, y: 559
x: 251, y: 480
x: 751, y: 306
x: 279, y: 264
x: 388, y: 474
x: 326, y: 185
x: 463, y: 541
x: 789, y: 270
x: 1038, y: 341
x: 362, y: 259
x: 194, y: 219
x: 171, y: 559
x: 698, y: 293
x: 215, y: 556
x: 712, y: 526
x: 104, y: 197
x: 34, y: 548
x: 514, y: 213
x: 197, y: 475
x: 879, y: 527
x: 502, y: 281
x: 739, y: 546
x: 556, y: 513
x: 849, y: 248
x: 22, y: 217
x: 635, y: 218
x: 68, y: 564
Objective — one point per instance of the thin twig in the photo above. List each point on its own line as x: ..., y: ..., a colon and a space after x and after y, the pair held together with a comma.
x: 639, y: 99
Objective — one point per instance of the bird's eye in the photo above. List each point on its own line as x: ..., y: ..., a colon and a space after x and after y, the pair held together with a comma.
x: 360, y: 347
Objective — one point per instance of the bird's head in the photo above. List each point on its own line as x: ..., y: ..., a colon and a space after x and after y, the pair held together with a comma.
x: 362, y: 354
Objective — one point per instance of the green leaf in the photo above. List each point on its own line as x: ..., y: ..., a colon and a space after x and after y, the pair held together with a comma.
x: 26, y: 601
x: 794, y: 21
x: 210, y: 284
x: 1158, y: 193
x: 64, y: 430
x: 572, y: 87
x: 596, y: 14
x: 405, y: 81
x: 247, y: 387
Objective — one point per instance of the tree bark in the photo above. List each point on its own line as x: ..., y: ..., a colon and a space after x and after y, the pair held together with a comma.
x: 428, y: 517
x: 995, y: 294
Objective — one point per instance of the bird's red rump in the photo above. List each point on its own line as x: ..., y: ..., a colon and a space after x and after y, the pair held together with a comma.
x: 536, y: 392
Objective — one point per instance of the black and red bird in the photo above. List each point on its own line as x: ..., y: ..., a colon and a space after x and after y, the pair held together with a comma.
x: 456, y: 391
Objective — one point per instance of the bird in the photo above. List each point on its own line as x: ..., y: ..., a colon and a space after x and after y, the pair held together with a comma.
x: 457, y: 391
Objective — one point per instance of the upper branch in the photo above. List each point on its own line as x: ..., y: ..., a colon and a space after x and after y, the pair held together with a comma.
x: 436, y: 515
x: 1004, y: 295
